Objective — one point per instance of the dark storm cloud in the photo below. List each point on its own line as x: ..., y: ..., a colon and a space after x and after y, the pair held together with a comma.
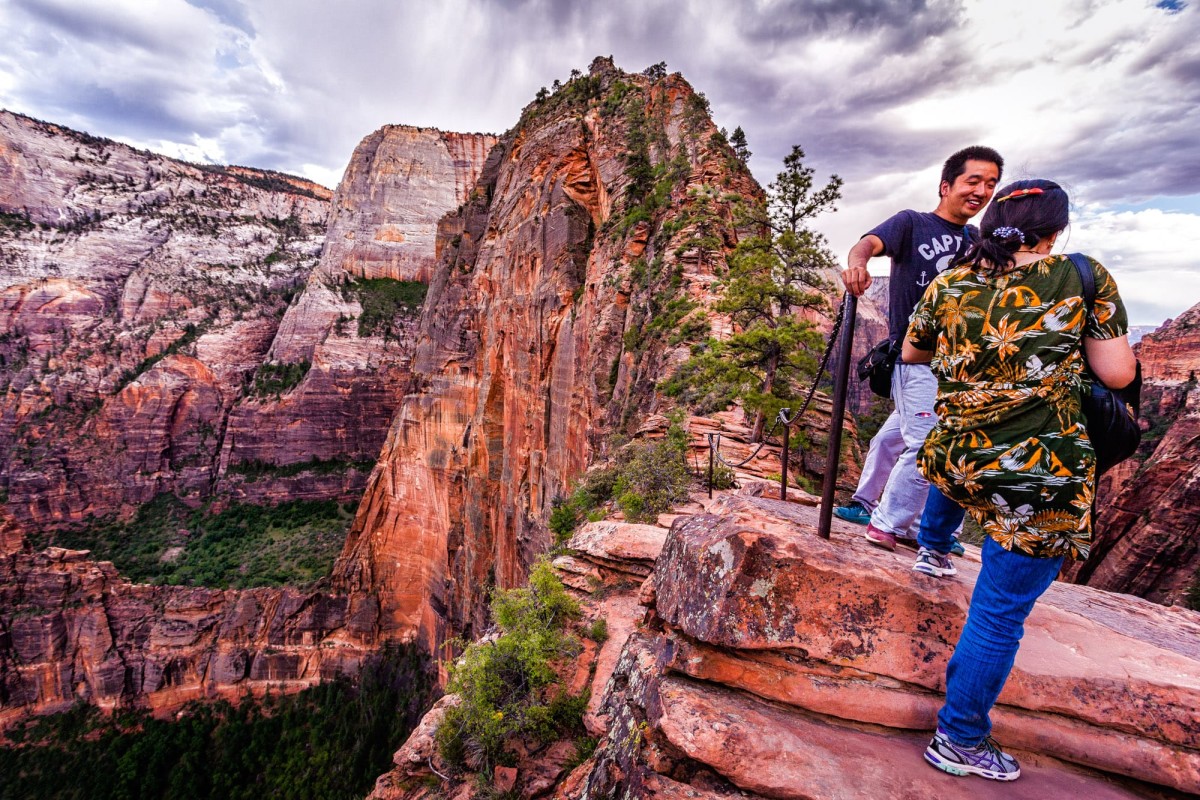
x: 902, y: 24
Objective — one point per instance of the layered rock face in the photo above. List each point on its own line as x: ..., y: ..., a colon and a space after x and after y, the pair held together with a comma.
x: 400, y: 182
x: 1149, y: 506
x: 145, y: 348
x: 539, y: 337
x: 141, y: 339
x: 74, y: 630
x: 138, y: 294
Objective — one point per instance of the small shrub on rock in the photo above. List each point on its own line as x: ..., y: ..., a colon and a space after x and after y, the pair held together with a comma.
x: 654, y: 475
x: 509, y: 686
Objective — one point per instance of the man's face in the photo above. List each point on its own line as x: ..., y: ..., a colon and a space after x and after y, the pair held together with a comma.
x: 970, y: 191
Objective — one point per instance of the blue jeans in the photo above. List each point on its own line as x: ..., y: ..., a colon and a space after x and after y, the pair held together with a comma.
x: 939, y: 521
x: 1008, y: 586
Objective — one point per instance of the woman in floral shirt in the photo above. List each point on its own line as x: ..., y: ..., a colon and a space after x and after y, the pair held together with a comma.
x: 1004, y: 333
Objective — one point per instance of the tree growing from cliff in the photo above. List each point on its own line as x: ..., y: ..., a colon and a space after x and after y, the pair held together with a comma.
x: 774, y: 276
x: 737, y: 140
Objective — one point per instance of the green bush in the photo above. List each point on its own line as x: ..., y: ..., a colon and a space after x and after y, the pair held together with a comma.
x: 278, y: 378
x: 509, y: 686
x: 598, y: 631
x: 242, y: 546
x: 596, y: 489
x: 385, y: 302
x: 653, y: 476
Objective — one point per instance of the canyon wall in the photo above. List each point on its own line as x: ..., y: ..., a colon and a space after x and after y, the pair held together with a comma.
x: 172, y: 328
x: 168, y: 327
x: 1149, y: 506
x: 72, y: 630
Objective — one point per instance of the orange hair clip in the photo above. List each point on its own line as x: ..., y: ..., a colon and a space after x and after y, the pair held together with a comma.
x: 1021, y: 193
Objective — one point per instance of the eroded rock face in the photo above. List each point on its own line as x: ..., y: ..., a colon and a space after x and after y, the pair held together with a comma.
x: 138, y: 294
x: 532, y: 345
x: 400, y: 182
x: 1149, y: 506
x: 72, y: 630
x: 140, y: 312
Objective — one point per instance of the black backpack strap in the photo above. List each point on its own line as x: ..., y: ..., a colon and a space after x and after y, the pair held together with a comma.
x: 1087, y: 276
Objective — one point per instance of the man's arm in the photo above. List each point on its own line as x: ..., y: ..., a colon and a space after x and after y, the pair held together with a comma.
x: 855, y: 275
x: 911, y: 354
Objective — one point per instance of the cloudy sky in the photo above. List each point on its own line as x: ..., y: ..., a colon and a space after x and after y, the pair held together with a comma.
x: 1102, y: 95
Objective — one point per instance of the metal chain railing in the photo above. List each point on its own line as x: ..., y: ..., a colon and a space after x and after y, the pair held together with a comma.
x: 781, y: 418
x: 845, y: 311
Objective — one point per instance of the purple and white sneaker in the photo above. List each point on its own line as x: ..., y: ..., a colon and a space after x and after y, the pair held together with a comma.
x: 931, y: 562
x: 986, y: 759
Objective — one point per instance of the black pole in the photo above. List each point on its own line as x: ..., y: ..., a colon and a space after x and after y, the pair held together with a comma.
x: 711, y: 451
x: 787, y: 429
x: 840, y: 383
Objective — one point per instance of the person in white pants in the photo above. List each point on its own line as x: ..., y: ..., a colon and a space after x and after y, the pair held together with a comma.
x: 891, y: 493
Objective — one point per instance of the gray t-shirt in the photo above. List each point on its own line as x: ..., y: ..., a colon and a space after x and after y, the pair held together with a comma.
x: 921, y: 244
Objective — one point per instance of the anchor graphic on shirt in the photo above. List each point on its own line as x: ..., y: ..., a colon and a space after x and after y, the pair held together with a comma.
x: 923, y: 281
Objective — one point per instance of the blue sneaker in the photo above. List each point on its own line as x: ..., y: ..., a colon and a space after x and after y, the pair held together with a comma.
x: 986, y: 759
x: 956, y: 548
x: 853, y: 511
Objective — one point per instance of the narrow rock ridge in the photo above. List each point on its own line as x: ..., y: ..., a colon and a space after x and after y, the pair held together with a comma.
x: 539, y: 338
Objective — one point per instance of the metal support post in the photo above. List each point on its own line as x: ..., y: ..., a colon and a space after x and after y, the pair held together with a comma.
x: 837, y: 415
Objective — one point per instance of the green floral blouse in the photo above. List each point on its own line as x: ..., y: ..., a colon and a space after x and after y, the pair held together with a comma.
x: 1010, y: 444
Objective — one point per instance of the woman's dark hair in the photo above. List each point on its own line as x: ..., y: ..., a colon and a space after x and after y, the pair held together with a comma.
x: 1021, y: 215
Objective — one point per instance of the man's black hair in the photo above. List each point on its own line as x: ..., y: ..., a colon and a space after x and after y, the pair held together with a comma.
x: 957, y: 164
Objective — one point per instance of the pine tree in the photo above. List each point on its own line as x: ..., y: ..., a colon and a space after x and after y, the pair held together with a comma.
x: 738, y: 142
x: 772, y: 277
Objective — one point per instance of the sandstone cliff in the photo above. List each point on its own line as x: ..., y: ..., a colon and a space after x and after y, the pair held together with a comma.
x: 145, y: 348
x: 72, y: 630
x: 573, y: 281
x: 164, y: 326
x: 1149, y: 508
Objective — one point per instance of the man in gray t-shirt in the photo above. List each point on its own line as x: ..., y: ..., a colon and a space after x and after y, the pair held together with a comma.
x: 891, y: 492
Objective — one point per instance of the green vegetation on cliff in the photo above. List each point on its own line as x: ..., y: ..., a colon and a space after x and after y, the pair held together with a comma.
x: 510, y: 686
x: 291, y: 544
x: 385, y: 302
x: 326, y: 743
x: 273, y: 379
x: 647, y: 478
x: 771, y: 279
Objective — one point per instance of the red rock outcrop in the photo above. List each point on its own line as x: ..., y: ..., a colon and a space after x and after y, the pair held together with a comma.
x: 767, y: 662
x: 1149, y: 507
x: 72, y: 630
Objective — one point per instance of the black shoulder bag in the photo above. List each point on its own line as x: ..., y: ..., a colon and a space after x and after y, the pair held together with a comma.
x: 876, y: 367
x: 1111, y: 414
